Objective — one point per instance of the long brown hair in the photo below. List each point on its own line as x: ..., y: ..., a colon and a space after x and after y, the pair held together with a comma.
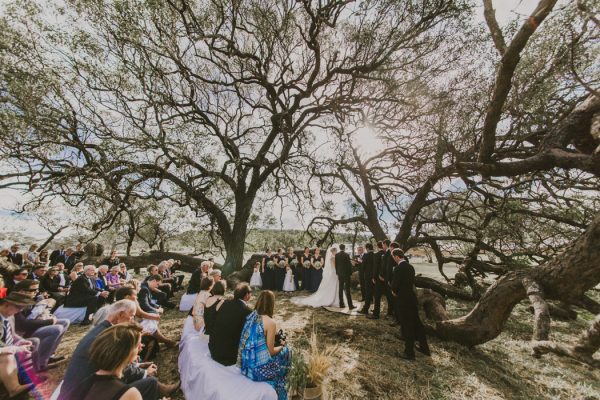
x: 265, y: 305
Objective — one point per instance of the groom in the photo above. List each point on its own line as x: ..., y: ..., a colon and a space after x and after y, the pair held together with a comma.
x: 343, y: 269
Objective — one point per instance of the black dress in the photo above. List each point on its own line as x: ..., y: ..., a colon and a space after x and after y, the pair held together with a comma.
x: 268, y: 274
x: 316, y: 275
x: 101, y: 387
x: 210, y: 315
x: 280, y: 272
x: 306, y: 274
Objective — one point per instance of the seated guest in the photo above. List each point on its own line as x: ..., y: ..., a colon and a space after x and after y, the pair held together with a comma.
x: 163, y: 271
x: 113, y: 278
x: 50, y: 283
x: 9, y: 372
x: 64, y: 280
x: 215, y: 274
x: 227, y: 329
x: 14, y: 256
x: 172, y: 267
x: 75, y: 273
x: 38, y: 272
x: 32, y: 257
x: 212, y: 305
x: 163, y: 292
x: 113, y: 349
x: 18, y: 276
x: 197, y: 311
x: 83, y: 293
x: 25, y: 350
x: 260, y: 358
x: 149, y: 311
x: 102, y: 282
x: 123, y: 273
x: 46, y: 328
x: 81, y: 366
x: 206, y: 268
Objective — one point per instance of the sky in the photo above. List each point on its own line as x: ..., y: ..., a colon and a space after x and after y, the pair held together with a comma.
x: 366, y: 139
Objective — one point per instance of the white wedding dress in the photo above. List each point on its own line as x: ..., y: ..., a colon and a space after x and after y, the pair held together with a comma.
x: 327, y: 294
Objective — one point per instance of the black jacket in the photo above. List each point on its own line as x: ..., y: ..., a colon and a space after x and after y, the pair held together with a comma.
x: 16, y: 258
x: 49, y: 284
x: 227, y: 330
x: 81, y: 291
x: 54, y: 256
x: 26, y: 327
x: 403, y: 283
x: 343, y: 265
x: 194, y: 285
x: 368, y: 264
x: 377, y: 264
x: 145, y: 300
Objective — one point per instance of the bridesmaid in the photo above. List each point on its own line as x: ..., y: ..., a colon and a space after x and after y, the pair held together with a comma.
x: 317, y: 271
x: 306, y: 270
x: 281, y: 262
x: 292, y: 261
x: 265, y: 270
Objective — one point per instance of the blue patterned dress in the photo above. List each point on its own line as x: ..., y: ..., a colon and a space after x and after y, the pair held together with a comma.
x: 255, y: 361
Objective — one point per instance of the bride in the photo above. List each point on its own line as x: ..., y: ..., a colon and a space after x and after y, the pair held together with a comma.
x: 327, y: 293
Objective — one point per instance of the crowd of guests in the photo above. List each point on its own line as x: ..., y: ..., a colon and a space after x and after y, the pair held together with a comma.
x: 44, y: 295
x: 288, y: 271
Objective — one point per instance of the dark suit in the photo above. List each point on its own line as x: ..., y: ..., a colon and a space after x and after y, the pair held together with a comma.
x: 145, y: 300
x: 80, y: 367
x: 194, y: 284
x: 403, y: 288
x: 15, y: 258
x: 227, y: 330
x: 83, y: 293
x: 51, y: 285
x: 361, y: 275
x: 368, y: 267
x: 381, y: 286
x: 54, y: 256
x: 69, y: 261
x: 343, y: 269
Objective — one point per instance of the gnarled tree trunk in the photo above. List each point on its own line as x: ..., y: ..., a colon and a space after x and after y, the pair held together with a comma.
x: 565, y: 278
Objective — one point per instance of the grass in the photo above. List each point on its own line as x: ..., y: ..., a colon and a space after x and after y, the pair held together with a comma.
x: 365, y: 364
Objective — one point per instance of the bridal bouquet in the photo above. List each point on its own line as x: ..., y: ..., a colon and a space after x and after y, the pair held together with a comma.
x: 281, y: 264
x: 306, y: 264
x: 270, y: 264
x: 318, y: 265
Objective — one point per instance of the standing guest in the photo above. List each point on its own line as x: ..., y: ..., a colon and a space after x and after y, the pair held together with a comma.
x: 213, y: 305
x: 50, y: 283
x: 32, y: 257
x: 111, y: 352
x: 79, y: 252
x: 83, y: 293
x: 317, y: 271
x: 261, y: 358
x: 67, y: 258
x: 112, y: 260
x: 343, y: 269
x: 391, y: 265
x: 227, y: 329
x: 358, y: 261
x: 124, y: 274
x: 57, y: 255
x: 43, y: 257
x: 255, y: 280
x: 267, y: 269
x: 368, y: 263
x: 14, y: 256
x: 280, y: 269
x: 404, y: 292
x: 306, y: 261
x: 49, y: 331
x: 197, y: 311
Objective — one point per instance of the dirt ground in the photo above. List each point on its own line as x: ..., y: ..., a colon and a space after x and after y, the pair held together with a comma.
x: 366, y: 365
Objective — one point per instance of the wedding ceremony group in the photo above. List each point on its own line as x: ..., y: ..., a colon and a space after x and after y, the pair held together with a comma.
x: 304, y: 199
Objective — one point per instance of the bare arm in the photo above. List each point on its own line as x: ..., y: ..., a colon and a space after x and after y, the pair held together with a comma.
x: 270, y: 328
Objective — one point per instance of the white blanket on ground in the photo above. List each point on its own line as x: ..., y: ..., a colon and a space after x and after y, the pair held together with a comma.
x: 187, y: 302
x: 205, y: 379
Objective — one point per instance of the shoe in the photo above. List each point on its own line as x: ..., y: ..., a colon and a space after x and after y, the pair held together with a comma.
x: 373, y: 316
x: 85, y: 322
x: 342, y: 306
x: 394, y: 324
x: 351, y: 307
x: 363, y: 311
x: 53, y: 360
x: 424, y: 350
x: 409, y: 357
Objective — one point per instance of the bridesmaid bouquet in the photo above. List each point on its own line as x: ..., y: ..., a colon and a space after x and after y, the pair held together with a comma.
x: 270, y: 264
x: 306, y: 264
x: 281, y: 264
x: 294, y: 262
x: 318, y: 265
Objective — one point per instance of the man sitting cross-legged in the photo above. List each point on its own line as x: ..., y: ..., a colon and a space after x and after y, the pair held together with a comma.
x: 81, y: 366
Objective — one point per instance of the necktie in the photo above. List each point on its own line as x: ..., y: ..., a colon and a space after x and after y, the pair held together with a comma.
x: 8, y: 337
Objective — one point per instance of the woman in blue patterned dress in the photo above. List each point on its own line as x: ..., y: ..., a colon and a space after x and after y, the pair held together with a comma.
x: 259, y: 357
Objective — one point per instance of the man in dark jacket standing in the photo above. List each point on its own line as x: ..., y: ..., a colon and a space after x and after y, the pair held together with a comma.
x: 405, y: 294
x: 343, y: 269
x: 368, y: 266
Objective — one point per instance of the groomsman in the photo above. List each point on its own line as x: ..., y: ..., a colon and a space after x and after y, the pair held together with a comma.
x: 56, y: 255
x: 379, y: 280
x: 368, y: 266
x: 405, y: 294
x: 14, y: 256
x: 391, y: 265
x: 358, y: 261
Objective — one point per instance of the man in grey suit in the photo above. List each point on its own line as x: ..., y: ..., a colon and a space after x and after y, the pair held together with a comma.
x: 343, y: 269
